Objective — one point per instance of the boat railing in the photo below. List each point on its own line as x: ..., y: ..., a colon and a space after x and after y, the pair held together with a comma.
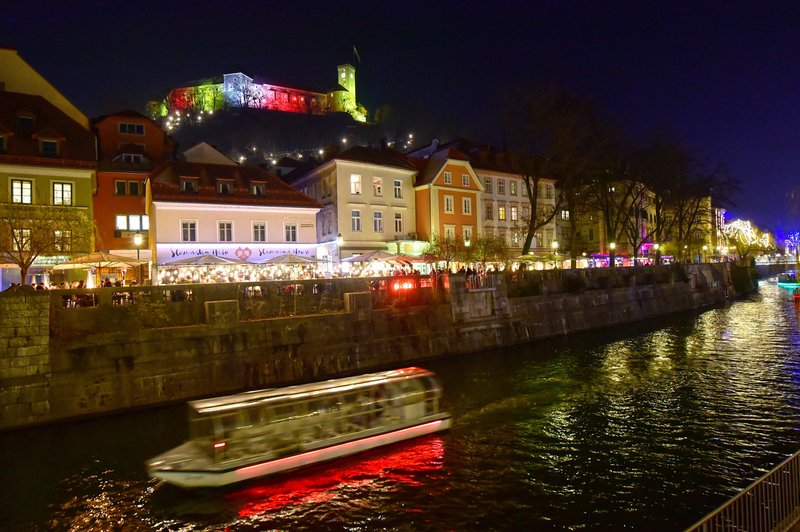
x: 770, y: 503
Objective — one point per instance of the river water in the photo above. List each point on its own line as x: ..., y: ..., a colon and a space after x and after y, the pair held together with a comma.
x: 646, y: 427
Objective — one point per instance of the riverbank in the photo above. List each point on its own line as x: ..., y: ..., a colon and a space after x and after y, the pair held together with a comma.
x: 54, y: 368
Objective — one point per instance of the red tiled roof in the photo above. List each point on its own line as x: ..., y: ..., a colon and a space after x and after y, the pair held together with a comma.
x: 165, y: 186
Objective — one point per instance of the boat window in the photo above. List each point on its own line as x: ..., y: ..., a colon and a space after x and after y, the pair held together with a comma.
x: 201, y: 427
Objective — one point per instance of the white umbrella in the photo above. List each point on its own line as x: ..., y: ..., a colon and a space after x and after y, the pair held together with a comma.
x: 375, y: 256
x: 291, y: 258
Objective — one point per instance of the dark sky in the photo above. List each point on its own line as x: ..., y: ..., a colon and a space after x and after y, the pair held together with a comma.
x: 724, y: 77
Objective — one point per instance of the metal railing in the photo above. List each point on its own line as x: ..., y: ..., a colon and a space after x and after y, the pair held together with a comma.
x: 770, y: 503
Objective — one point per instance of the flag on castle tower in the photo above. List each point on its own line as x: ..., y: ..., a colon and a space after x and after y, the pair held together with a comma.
x: 355, y: 54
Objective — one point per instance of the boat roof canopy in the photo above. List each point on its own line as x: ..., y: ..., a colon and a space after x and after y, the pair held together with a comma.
x: 234, y: 402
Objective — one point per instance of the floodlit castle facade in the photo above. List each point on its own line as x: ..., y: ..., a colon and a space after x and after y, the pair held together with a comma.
x: 238, y: 90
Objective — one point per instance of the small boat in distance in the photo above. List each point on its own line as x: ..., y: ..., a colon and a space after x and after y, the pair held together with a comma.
x: 788, y: 279
x: 265, y: 432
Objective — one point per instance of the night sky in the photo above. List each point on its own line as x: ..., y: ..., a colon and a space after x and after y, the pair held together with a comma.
x: 721, y: 76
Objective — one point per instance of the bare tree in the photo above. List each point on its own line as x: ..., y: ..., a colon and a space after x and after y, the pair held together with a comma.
x: 30, y: 231
x: 555, y: 135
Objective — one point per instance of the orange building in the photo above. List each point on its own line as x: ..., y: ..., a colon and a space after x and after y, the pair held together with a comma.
x: 448, y: 196
x: 129, y: 146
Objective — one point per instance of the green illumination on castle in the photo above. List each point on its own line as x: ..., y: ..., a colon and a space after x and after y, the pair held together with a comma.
x: 237, y: 90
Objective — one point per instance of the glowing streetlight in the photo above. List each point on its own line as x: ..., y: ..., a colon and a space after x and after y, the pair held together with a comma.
x: 612, y: 245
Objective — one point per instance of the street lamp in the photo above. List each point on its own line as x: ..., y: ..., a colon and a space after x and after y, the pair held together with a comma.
x: 705, y: 252
x: 554, y: 245
x: 137, y: 241
x: 657, y: 247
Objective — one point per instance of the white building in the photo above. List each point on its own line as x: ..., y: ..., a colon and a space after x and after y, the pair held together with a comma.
x: 229, y: 211
x: 367, y: 196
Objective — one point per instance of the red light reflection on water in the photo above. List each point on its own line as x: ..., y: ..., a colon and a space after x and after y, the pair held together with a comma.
x: 398, y: 464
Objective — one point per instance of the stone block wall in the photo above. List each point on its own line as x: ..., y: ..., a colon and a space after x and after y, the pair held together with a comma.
x: 25, y: 368
x: 85, y: 375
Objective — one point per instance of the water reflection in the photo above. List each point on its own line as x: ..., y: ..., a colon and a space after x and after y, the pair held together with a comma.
x: 648, y: 426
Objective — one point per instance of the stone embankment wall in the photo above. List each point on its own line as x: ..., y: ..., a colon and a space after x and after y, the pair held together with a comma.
x: 47, y: 375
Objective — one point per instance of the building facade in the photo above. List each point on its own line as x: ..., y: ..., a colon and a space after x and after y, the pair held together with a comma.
x: 242, y: 214
x: 448, y: 197
x: 368, y: 203
x: 129, y: 146
x: 47, y: 173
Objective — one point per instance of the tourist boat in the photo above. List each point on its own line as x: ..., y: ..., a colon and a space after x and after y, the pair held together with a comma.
x: 788, y: 279
x: 266, y: 432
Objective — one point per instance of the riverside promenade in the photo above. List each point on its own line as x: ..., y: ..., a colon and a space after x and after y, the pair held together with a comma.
x: 145, y: 346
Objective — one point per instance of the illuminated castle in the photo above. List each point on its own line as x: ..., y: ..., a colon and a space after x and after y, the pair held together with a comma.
x: 239, y: 90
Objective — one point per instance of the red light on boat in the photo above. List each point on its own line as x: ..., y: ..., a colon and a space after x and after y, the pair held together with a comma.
x: 219, y: 445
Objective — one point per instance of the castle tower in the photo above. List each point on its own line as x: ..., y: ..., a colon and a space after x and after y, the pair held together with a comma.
x: 347, y: 78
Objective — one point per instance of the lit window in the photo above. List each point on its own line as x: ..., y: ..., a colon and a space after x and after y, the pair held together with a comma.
x: 22, y: 239
x: 355, y: 220
x: 21, y: 191
x: 225, y: 231
x: 398, y: 189
x: 548, y: 191
x: 466, y: 205
x: 465, y: 179
x: 501, y: 212
x: 290, y: 232
x: 258, y: 189
x: 501, y: 186
x: 487, y: 183
x: 122, y: 222
x: 355, y: 184
x: 377, y: 186
x: 398, y: 222
x: 63, y: 241
x: 189, y: 185
x: 120, y: 188
x: 448, y: 178
x: 225, y: 187
x: 126, y: 128
x: 514, y: 213
x: 134, y: 222
x: 565, y: 215
x: 189, y: 231
x: 377, y: 222
x: 259, y: 231
x: 513, y: 188
x: 449, y: 231
x: 448, y: 204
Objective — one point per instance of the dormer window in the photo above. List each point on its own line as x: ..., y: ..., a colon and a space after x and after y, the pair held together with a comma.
x: 188, y: 184
x: 131, y: 158
x: 258, y: 189
x: 131, y: 128
x: 26, y: 121
x: 48, y: 148
x: 224, y: 187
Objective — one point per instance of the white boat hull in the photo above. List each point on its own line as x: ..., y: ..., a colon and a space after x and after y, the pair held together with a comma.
x: 260, y: 468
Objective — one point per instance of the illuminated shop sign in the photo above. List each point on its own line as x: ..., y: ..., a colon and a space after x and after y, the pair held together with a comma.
x: 255, y: 253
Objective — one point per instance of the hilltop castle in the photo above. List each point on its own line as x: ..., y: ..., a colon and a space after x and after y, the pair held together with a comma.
x: 238, y: 90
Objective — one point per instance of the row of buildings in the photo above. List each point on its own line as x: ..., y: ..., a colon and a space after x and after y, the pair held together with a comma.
x: 123, y: 173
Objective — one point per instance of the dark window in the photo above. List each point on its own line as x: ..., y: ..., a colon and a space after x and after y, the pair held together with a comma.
x: 49, y: 148
x: 27, y: 122
x: 133, y: 188
x: 120, y: 188
x: 126, y: 128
